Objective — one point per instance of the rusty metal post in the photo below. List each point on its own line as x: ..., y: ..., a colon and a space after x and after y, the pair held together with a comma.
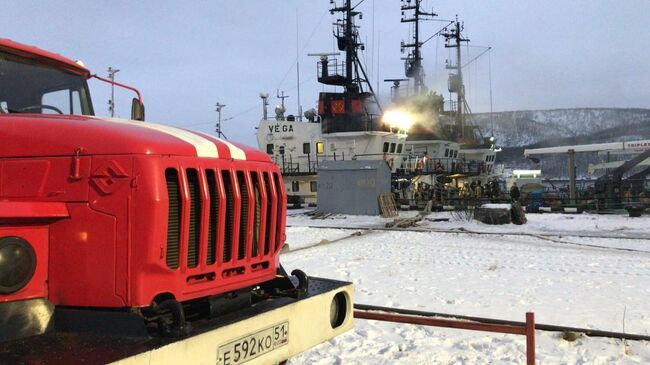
x: 515, y: 328
x: 530, y: 338
x: 572, y: 176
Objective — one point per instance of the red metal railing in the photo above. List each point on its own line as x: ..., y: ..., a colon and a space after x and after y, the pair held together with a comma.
x: 527, y: 330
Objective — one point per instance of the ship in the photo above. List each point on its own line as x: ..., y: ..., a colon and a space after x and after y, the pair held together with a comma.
x: 446, y: 152
x: 348, y: 125
x: 431, y: 146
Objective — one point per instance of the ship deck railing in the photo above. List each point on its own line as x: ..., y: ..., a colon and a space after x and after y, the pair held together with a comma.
x: 418, y: 165
x: 308, y: 164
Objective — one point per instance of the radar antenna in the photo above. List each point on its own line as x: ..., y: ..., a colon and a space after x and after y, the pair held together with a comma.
x: 396, y: 92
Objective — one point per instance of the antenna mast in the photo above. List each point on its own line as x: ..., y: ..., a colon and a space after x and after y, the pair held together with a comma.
x: 347, y: 36
x: 111, y: 102
x: 413, y: 62
x: 281, y: 96
x: 298, y: 66
x: 218, y: 129
x: 454, y: 39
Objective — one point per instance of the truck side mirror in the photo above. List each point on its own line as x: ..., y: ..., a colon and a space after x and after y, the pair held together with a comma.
x: 137, y: 110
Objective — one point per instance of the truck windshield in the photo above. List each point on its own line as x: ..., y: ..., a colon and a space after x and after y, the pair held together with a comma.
x: 27, y: 86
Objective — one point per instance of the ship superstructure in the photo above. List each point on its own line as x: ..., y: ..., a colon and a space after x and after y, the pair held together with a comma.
x: 348, y: 124
x: 443, y: 151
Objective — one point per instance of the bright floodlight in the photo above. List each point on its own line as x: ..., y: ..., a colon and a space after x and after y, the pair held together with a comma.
x: 398, y: 119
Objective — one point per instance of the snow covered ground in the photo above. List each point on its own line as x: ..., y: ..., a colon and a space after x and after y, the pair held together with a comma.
x: 559, y: 268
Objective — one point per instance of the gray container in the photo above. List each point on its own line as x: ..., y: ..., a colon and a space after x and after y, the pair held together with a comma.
x: 352, y: 187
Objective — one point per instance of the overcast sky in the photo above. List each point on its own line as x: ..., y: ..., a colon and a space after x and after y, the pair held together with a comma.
x: 186, y: 56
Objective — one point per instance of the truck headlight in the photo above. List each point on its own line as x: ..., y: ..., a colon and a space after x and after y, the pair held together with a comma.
x: 17, y: 264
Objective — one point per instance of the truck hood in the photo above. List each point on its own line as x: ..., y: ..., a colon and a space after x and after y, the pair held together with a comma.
x: 38, y: 135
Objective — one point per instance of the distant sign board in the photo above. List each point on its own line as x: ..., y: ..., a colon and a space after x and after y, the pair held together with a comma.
x: 280, y: 128
x: 637, y: 145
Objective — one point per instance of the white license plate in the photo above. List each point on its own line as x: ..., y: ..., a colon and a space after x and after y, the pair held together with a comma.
x: 251, y: 346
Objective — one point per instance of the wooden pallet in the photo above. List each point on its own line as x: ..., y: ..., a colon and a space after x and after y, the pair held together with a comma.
x: 387, y: 206
x: 319, y: 215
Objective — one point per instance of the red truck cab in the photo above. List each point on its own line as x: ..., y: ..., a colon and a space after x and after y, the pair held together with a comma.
x: 100, y: 212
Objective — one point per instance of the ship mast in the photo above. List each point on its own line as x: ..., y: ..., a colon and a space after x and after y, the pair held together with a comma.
x: 348, y: 41
x: 454, y: 39
x: 413, y: 62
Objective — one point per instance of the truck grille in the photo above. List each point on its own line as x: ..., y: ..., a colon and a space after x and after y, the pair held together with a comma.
x: 243, y: 215
x: 269, y: 213
x: 194, y: 231
x: 212, y: 219
x: 256, y: 213
x: 230, y: 216
x: 173, y: 218
x: 278, y: 221
x: 250, y: 223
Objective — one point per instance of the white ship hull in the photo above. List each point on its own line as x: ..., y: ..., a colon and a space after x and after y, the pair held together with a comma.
x: 300, y: 147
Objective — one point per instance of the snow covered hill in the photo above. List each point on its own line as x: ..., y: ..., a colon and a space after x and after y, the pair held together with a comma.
x: 516, y: 130
x: 529, y: 127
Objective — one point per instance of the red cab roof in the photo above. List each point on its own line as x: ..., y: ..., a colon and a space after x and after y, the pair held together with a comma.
x: 38, y: 54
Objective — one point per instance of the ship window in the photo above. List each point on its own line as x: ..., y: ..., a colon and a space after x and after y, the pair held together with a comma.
x: 456, y: 154
x: 386, y: 144
x: 446, y: 152
x: 399, y: 148
x: 487, y: 159
x: 392, y: 147
x: 306, y: 148
x: 313, y: 185
x: 320, y: 148
x: 295, y: 186
x: 269, y: 148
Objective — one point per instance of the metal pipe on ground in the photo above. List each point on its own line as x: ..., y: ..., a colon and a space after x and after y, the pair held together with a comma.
x: 493, y: 233
x: 543, y: 236
x: 527, y: 328
x: 538, y: 326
